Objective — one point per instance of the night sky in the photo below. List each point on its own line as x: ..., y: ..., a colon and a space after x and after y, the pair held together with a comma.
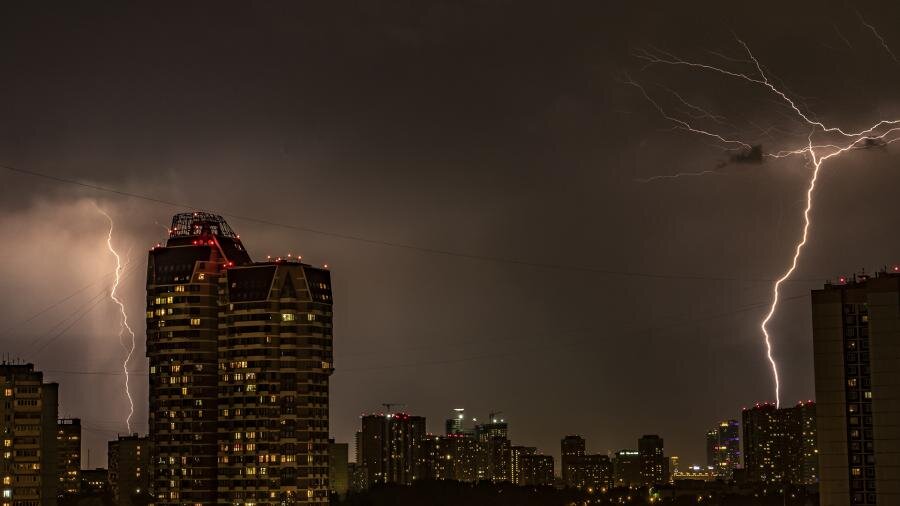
x: 486, y: 129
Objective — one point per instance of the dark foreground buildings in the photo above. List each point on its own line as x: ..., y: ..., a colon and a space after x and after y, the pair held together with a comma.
x: 240, y: 355
x: 29, y: 443
x: 856, y: 339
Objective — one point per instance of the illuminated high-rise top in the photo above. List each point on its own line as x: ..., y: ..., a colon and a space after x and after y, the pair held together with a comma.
x: 200, y: 223
x: 206, y: 229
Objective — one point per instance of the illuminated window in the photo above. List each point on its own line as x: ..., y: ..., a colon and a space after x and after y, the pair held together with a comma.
x: 201, y: 276
x: 251, y: 388
x: 868, y: 395
x: 8, y: 392
x: 170, y: 300
x: 287, y: 317
x: 195, y: 321
x: 7, y: 442
x: 183, y: 390
x: 179, y: 288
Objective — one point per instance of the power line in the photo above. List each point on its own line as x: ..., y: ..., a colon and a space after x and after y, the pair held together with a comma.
x: 575, y: 342
x: 391, y: 244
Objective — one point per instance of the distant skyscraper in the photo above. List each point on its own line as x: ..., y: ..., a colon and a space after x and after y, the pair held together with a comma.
x: 454, y: 424
x: 571, y: 449
x: 515, y: 462
x: 593, y: 472
x: 654, y: 464
x: 537, y: 470
x: 393, y: 448
x: 857, y: 371
x: 627, y: 468
x: 780, y: 444
x: 68, y: 447
x: 723, y: 448
x: 338, y: 477
x: 129, y: 462
x: 240, y: 355
x: 453, y: 457
x: 28, y: 425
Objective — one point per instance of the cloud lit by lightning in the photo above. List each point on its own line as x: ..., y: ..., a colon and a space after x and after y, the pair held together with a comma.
x: 834, y: 142
x: 125, y: 327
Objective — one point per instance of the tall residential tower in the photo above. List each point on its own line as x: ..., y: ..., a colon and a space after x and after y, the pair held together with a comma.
x: 240, y: 355
x: 856, y: 341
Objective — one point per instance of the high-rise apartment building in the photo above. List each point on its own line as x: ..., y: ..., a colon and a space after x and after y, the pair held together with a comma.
x: 571, y: 449
x: 393, y: 449
x: 68, y: 449
x: 456, y: 423
x: 654, y: 464
x: 856, y: 342
x: 129, y: 463
x: 537, y: 470
x: 593, y: 472
x: 338, y: 478
x: 780, y: 444
x: 452, y: 457
x: 723, y: 448
x: 515, y: 462
x: 627, y: 468
x: 29, y: 445
x: 240, y: 355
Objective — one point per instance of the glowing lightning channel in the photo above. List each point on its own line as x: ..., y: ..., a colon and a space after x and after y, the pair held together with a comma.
x: 125, y: 326
x: 818, y: 154
x: 878, y: 36
x: 679, y: 175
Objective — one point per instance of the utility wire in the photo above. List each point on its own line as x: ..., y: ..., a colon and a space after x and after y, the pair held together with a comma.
x: 635, y: 332
x: 405, y: 246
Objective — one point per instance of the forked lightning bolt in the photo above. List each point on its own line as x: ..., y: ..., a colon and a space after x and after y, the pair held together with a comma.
x: 125, y: 327
x: 837, y: 142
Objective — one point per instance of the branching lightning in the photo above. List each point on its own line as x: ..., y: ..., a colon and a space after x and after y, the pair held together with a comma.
x: 837, y: 141
x: 125, y: 327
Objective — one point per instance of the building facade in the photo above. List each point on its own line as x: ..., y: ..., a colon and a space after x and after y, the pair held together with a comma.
x: 68, y: 448
x: 627, y: 468
x: 393, y: 448
x: 780, y: 444
x: 654, y: 464
x: 723, y: 448
x: 593, y: 472
x: 515, y: 462
x: 537, y: 470
x: 129, y: 468
x: 571, y: 448
x: 338, y: 478
x: 28, y: 416
x: 240, y: 356
x: 452, y: 457
x: 856, y: 343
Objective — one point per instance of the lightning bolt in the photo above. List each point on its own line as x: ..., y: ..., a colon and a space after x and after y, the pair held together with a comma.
x: 838, y: 141
x: 878, y: 36
x: 125, y: 327
x: 679, y: 175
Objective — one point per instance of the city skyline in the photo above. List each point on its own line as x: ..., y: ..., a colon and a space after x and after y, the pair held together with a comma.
x: 469, y: 211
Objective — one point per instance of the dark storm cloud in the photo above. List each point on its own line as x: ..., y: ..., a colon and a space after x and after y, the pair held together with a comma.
x: 491, y: 128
